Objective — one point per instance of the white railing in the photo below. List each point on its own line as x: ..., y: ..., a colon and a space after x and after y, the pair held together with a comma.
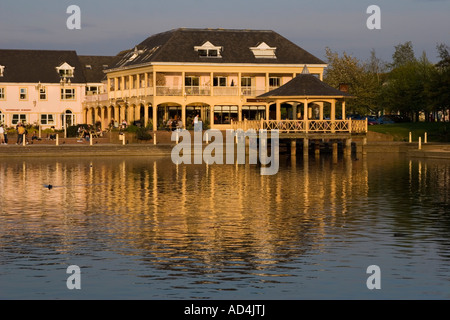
x: 302, y: 126
x: 225, y: 91
x: 168, y: 91
x: 96, y: 97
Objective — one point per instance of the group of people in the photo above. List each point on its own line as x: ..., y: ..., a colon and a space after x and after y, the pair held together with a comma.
x: 174, y: 124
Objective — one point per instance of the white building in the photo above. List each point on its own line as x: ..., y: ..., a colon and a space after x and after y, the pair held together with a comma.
x: 47, y: 87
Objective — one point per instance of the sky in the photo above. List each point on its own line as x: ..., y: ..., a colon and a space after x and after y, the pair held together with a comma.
x: 108, y: 27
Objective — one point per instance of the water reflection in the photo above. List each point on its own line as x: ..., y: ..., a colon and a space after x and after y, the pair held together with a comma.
x: 202, y: 230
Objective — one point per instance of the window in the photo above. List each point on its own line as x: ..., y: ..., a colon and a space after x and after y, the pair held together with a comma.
x: 65, y: 73
x: 2, y: 118
x: 208, y: 50
x: 192, y: 81
x: 67, y: 94
x: 23, y: 94
x: 192, y: 85
x: 263, y: 50
x: 90, y: 90
x: 253, y: 112
x: 220, y: 82
x: 47, y: 119
x: 224, y: 114
x: 246, y: 85
x: 42, y: 94
x: 2, y: 93
x: 16, y: 118
x: 274, y: 82
x: 65, y: 70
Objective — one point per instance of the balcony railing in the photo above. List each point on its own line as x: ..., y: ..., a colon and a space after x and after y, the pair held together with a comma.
x: 225, y: 91
x: 189, y: 91
x: 251, y: 91
x: 92, y: 97
x: 197, y: 91
x: 168, y: 91
x: 302, y: 126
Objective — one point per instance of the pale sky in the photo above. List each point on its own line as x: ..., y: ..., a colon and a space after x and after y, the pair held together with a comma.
x: 108, y: 27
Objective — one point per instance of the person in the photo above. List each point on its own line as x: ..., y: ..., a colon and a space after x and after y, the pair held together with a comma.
x: 35, y: 137
x: 53, y: 134
x: 196, y: 128
x: 2, y: 135
x: 20, y: 133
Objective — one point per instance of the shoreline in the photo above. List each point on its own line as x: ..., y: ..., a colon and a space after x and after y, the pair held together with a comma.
x: 107, y: 149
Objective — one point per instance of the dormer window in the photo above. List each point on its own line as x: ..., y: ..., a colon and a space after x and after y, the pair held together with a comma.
x: 263, y: 50
x: 65, y: 70
x: 2, y: 70
x: 135, y: 54
x: 208, y: 50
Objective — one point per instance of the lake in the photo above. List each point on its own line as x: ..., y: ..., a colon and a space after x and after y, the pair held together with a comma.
x: 145, y: 228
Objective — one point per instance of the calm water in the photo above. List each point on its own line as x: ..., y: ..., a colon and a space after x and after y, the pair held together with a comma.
x: 144, y: 228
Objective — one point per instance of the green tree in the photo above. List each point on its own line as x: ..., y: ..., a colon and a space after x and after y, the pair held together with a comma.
x: 439, y: 85
x: 404, y: 54
x: 364, y: 78
x: 406, y: 89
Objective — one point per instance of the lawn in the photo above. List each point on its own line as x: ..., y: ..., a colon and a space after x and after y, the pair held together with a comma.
x: 436, y: 131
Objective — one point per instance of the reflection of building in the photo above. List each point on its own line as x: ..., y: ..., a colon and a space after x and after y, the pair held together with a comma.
x: 216, y: 73
x: 47, y: 87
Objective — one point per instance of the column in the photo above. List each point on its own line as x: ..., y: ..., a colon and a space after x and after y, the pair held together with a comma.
x: 343, y: 110
x: 183, y: 115
x: 116, y: 114
x: 146, y: 106
x: 122, y: 114
x: 278, y: 117
x: 154, y: 117
x: 333, y: 110
x: 109, y: 112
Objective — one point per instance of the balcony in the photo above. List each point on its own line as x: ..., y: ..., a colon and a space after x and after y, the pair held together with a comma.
x: 95, y: 97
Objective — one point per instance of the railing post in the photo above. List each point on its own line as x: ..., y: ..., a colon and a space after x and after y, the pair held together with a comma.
x: 349, y: 125
x: 306, y: 125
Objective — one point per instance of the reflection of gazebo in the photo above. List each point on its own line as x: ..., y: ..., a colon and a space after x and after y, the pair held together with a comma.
x: 306, y: 88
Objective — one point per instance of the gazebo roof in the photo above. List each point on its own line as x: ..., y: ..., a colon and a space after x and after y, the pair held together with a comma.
x: 306, y: 85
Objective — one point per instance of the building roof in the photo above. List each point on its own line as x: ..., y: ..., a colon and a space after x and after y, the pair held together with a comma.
x: 305, y: 85
x: 33, y: 66
x: 94, y: 66
x: 179, y: 45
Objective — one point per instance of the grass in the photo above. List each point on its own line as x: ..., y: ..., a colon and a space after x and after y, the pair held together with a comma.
x: 436, y: 131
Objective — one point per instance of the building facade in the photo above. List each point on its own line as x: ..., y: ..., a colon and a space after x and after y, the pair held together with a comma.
x: 215, y: 73
x: 47, y: 88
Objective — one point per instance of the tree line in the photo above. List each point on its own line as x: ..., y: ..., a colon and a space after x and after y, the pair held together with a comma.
x: 407, y: 85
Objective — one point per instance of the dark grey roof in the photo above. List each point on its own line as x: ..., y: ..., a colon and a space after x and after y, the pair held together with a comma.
x: 178, y: 46
x: 32, y: 66
x: 93, y: 67
x: 305, y: 84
